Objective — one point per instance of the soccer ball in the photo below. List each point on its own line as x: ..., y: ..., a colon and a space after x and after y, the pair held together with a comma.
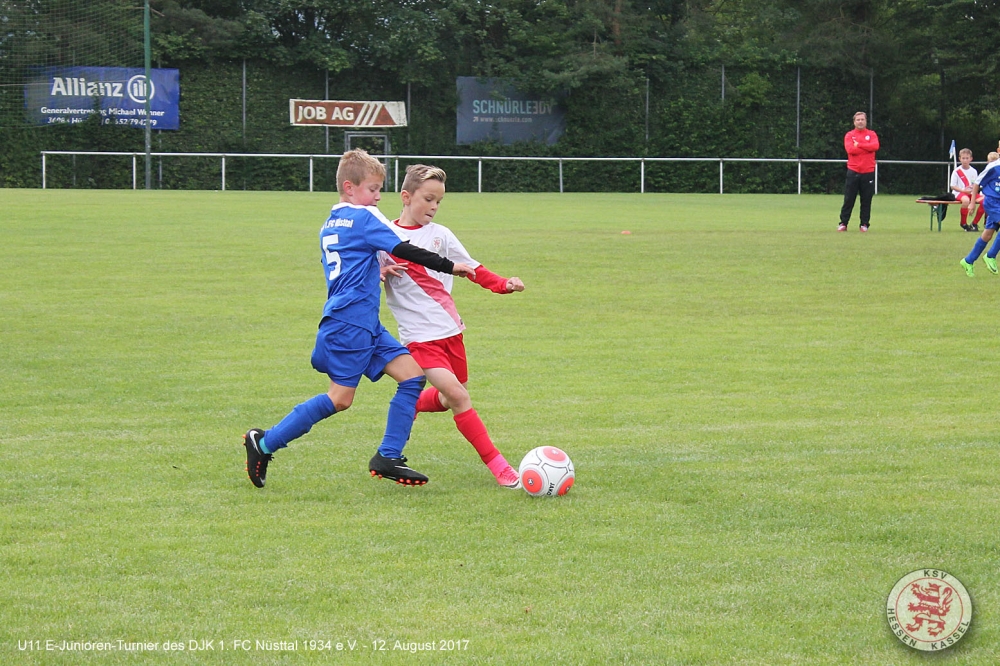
x: 546, y: 472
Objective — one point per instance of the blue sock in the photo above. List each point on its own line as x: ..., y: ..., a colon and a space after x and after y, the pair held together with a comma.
x: 402, y: 411
x: 995, y: 248
x: 298, y: 422
x: 977, y: 250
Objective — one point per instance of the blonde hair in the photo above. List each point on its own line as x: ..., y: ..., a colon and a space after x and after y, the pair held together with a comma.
x: 356, y: 165
x: 418, y: 174
x: 993, y: 157
x: 965, y: 151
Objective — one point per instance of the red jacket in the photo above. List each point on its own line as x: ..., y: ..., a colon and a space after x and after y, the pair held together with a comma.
x: 861, y: 158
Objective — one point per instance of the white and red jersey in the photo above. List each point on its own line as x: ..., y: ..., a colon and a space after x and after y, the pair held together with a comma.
x: 421, y: 300
x: 963, y: 178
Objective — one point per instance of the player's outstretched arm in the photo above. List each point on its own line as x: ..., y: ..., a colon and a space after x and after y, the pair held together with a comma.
x: 973, y: 196
x: 418, y: 255
x: 498, y: 284
x: 464, y: 270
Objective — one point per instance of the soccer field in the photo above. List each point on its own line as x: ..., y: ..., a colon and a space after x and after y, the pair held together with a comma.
x: 771, y: 424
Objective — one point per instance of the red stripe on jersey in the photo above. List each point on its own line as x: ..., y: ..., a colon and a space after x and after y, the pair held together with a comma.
x: 962, y: 177
x: 433, y: 288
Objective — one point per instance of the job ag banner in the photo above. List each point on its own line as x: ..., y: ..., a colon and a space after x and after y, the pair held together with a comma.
x: 493, y: 109
x: 118, y: 94
x: 346, y: 114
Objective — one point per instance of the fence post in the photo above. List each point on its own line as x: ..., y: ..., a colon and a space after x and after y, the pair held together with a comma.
x: 43, y: 171
x: 395, y: 180
x: 480, y: 176
x: 876, y: 178
x: 560, y: 175
x: 133, y: 171
x: 310, y: 173
x: 642, y: 176
x: 720, y: 175
x: 800, y: 175
x: 223, y: 173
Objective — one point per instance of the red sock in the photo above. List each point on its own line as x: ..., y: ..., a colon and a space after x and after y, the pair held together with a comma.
x: 979, y: 214
x: 472, y: 428
x: 965, y: 216
x: 428, y: 401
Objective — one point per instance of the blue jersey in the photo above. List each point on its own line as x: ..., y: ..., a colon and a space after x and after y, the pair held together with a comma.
x: 349, y: 243
x: 989, y: 185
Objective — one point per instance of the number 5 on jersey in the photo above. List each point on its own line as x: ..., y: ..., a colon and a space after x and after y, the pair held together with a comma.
x: 332, y: 256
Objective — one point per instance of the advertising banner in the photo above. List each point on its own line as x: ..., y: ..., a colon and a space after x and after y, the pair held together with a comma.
x: 493, y: 109
x: 305, y: 112
x: 118, y: 94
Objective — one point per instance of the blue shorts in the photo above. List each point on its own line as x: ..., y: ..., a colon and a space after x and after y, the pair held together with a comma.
x: 992, y: 219
x: 344, y: 352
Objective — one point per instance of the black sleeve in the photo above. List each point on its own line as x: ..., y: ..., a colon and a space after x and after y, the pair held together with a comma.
x: 418, y: 255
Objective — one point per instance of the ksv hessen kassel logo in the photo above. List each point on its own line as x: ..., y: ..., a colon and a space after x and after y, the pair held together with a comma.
x: 929, y: 609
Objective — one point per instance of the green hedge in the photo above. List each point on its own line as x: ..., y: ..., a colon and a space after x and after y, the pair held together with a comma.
x: 687, y: 118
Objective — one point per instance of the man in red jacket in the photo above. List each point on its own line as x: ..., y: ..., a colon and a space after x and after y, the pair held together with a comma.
x: 861, y: 144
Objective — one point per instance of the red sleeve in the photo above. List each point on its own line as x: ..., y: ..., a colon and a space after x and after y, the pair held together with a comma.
x: 849, y: 145
x: 873, y: 145
x: 490, y: 280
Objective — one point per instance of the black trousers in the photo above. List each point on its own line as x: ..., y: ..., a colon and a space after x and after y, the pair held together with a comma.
x: 863, y: 183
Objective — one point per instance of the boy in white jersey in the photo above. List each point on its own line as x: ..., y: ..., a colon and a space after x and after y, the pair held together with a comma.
x: 961, y: 187
x: 429, y: 324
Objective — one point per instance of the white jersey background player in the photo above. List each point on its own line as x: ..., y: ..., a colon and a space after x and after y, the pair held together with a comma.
x: 962, y: 179
x: 429, y: 323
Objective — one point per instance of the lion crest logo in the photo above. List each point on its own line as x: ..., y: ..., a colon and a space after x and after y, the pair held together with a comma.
x: 929, y: 609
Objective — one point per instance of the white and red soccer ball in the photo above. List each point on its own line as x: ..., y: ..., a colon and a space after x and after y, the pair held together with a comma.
x: 546, y: 472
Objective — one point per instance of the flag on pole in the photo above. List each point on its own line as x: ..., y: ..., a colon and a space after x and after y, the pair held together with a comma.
x: 954, y: 160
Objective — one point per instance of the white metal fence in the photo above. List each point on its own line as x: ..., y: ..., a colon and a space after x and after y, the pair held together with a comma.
x: 390, y: 159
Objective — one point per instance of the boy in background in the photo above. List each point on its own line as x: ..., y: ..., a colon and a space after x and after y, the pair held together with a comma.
x: 961, y: 187
x: 987, y: 183
x: 351, y: 340
x: 429, y: 323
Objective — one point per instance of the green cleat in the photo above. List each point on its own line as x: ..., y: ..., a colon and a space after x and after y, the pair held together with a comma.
x: 991, y: 263
x: 969, y: 270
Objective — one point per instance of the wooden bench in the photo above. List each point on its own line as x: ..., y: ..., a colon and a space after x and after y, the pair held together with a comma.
x: 937, y: 209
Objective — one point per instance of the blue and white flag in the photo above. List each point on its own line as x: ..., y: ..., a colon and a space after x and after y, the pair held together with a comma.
x: 951, y: 151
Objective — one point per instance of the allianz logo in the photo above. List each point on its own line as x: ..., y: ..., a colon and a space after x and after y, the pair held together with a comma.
x: 72, y: 86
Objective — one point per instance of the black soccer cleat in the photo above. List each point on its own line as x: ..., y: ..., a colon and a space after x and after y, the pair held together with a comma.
x: 395, y: 469
x: 256, y: 459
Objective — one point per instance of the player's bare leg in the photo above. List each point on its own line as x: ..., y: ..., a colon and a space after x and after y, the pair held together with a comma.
x: 342, y: 397
x: 454, y: 395
x: 964, y: 209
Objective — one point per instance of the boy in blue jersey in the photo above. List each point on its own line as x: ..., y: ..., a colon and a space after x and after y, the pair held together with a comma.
x: 988, y: 182
x: 351, y: 340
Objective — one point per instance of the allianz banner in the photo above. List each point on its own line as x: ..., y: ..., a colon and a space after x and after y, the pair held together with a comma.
x: 493, y: 110
x: 56, y: 95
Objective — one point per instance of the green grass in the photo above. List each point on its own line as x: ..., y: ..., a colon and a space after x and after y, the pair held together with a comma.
x: 771, y: 423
